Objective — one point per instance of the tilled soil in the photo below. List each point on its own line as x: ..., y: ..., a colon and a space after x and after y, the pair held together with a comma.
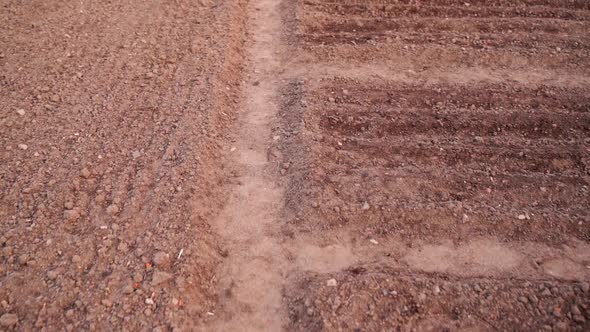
x: 114, y: 117
x: 427, y: 160
x: 447, y: 143
x: 303, y: 165
x: 378, y: 299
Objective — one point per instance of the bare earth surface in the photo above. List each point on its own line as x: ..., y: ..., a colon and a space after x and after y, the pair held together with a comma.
x: 114, y: 119
x: 308, y: 165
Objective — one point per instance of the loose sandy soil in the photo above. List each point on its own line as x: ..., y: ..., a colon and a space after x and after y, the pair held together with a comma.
x: 302, y: 165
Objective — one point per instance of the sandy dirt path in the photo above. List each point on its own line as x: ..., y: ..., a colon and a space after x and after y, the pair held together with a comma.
x: 251, y: 277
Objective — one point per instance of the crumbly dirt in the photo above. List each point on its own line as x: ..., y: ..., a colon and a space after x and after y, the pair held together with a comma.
x: 114, y: 118
x: 439, y: 145
x: 362, y: 299
x: 309, y: 165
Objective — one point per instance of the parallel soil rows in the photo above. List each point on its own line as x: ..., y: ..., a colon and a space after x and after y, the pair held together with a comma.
x: 415, y: 135
x: 490, y: 157
x: 383, y: 297
x: 546, y: 36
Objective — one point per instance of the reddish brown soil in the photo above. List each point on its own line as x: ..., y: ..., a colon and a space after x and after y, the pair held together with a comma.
x: 422, y: 156
x: 309, y: 165
x: 379, y: 299
x: 443, y: 122
x: 125, y: 109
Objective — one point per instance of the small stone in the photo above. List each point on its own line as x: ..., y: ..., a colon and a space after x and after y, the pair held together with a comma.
x: 478, y: 139
x: 8, y: 320
x: 136, y: 154
x: 373, y: 241
x: 112, y: 209
x: 107, y: 303
x: 585, y: 287
x: 70, y: 313
x: 69, y: 205
x: 138, y: 277
x: 556, y: 312
x: 422, y: 297
x: 160, y: 277
x: 575, y: 310
x: 128, y: 289
x: 523, y: 299
x: 161, y: 259
x: 23, y: 146
x: 71, y: 215
x: 122, y: 247
x: 331, y: 282
x: 85, y: 173
x: 20, y: 112
x: 76, y: 259
x: 436, y: 290
x: 149, y: 301
x: 331, y: 99
x: 55, y: 98
x: 315, y: 205
x: 100, y: 198
x: 546, y: 292
x: 521, y: 217
x: 366, y: 206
